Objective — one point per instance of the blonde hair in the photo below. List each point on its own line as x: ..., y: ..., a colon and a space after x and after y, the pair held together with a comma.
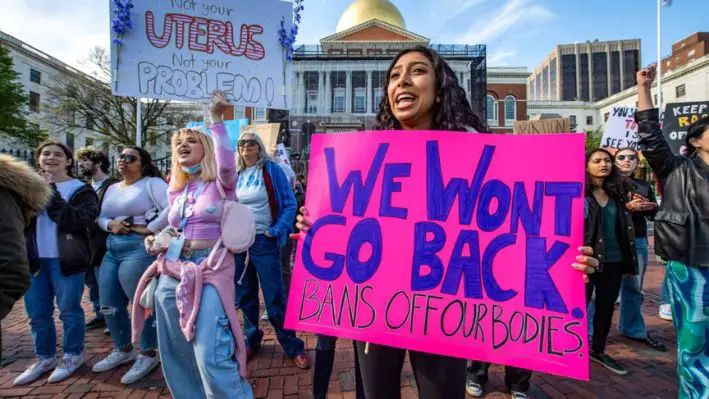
x: 263, y: 155
x: 178, y: 178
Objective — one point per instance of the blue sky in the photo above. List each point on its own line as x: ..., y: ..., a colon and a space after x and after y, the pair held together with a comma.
x: 523, y: 32
x: 517, y: 32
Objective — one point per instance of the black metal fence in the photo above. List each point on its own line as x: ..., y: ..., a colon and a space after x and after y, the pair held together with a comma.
x: 164, y: 164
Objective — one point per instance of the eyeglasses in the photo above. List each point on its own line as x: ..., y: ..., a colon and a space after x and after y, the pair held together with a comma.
x: 246, y: 143
x: 127, y: 158
x: 628, y: 157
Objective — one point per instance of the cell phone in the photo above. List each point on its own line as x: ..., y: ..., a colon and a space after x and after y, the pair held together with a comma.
x: 128, y: 220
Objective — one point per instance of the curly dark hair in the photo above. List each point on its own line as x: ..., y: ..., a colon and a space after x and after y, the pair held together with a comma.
x: 451, y: 113
x: 615, y: 184
x: 149, y: 169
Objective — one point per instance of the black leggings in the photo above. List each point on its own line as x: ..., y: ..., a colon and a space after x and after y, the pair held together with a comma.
x: 607, y: 286
x: 437, y: 377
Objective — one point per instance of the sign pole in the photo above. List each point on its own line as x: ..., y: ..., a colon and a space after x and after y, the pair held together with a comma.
x: 138, y: 122
x: 659, y: 56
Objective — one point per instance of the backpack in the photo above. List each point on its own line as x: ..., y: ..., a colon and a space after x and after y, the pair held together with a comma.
x: 238, y: 224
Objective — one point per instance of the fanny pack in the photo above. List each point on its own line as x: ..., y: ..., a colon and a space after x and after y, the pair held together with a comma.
x: 238, y: 225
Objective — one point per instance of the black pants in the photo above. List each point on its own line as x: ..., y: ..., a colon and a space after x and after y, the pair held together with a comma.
x: 324, y: 360
x: 437, y: 377
x: 607, y: 287
x: 286, y: 268
x: 516, y: 379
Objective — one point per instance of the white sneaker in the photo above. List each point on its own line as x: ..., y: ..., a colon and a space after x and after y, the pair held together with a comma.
x: 264, y: 316
x: 666, y: 312
x: 67, y: 367
x: 474, y: 389
x: 143, y: 366
x: 35, y: 370
x: 114, y: 359
x: 519, y: 395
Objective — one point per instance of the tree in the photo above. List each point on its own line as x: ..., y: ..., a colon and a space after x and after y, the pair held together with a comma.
x: 83, y: 101
x: 593, y: 138
x: 13, y: 103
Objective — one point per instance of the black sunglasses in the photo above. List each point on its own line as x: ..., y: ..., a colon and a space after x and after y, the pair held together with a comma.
x: 127, y: 158
x: 247, y: 143
x: 629, y: 157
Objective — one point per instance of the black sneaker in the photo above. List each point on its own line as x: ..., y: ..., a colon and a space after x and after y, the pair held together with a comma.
x: 607, y: 362
x: 95, y: 323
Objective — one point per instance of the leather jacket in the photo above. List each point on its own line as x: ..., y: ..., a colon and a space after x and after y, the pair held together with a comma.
x: 682, y: 222
x: 625, y: 232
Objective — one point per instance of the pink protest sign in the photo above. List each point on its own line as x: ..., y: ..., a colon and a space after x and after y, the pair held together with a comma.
x: 450, y: 243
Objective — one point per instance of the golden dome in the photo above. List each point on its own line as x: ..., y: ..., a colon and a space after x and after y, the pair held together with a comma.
x: 362, y: 11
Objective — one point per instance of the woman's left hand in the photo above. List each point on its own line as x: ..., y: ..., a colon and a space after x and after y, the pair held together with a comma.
x: 141, y: 230
x: 585, y: 262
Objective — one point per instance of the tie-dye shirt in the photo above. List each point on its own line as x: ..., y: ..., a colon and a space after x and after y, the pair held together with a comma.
x: 204, y: 223
x: 251, y: 190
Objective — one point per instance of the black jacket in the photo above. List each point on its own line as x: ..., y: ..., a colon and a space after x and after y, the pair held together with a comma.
x: 640, y: 218
x: 97, y: 234
x: 682, y: 223
x: 22, y: 194
x: 74, y: 218
x: 593, y: 233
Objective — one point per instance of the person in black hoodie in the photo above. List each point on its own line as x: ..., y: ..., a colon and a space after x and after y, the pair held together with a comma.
x: 94, y: 165
x: 682, y: 234
x: 22, y: 195
x: 59, y: 253
x: 609, y: 230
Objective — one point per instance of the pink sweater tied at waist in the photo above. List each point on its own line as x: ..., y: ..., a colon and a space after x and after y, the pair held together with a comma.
x: 189, y: 294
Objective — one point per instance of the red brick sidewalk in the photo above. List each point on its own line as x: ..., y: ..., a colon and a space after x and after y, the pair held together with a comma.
x: 652, y: 374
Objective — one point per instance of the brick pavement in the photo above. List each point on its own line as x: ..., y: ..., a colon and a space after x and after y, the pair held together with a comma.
x: 652, y: 374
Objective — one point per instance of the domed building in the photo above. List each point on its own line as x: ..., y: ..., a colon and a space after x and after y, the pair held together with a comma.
x: 337, y: 84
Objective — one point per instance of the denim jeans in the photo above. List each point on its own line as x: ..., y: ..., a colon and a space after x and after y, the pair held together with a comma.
x: 664, y: 289
x: 47, y: 285
x: 324, y: 360
x: 264, y: 266
x: 631, y: 322
x: 92, y: 285
x: 124, y: 264
x: 205, y: 367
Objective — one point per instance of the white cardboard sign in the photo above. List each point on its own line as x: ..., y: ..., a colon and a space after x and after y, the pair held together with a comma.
x: 621, y: 131
x: 185, y: 49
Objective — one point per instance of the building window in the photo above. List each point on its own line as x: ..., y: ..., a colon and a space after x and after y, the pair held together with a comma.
x: 259, y: 114
x: 70, y: 140
x: 239, y: 112
x: 360, y: 100
x: 492, y: 111
x: 589, y: 120
x: 35, y: 76
x: 680, y: 91
x: 89, y: 142
x: 572, y: 121
x: 34, y: 101
x: 568, y: 77
x: 312, y: 103
x: 378, y: 94
x: 600, y: 76
x: 89, y: 121
x: 510, y: 110
x: 691, y: 53
x: 339, y: 103
x: 605, y: 116
x: 552, y: 80
x: 655, y: 99
x: 615, y: 73
x: 584, y: 67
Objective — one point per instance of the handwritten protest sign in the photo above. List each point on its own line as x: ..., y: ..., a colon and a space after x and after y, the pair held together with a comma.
x: 678, y: 118
x: 414, y: 246
x: 185, y: 49
x: 282, y: 153
x: 621, y: 130
x: 268, y: 133
x: 542, y: 126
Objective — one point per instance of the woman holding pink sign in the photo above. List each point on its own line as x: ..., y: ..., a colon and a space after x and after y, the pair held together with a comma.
x: 422, y: 94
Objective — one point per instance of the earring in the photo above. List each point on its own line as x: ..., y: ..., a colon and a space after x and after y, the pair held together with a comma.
x: 438, y: 99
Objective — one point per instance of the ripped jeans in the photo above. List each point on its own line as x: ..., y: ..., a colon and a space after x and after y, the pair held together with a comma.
x: 206, y: 366
x: 124, y: 264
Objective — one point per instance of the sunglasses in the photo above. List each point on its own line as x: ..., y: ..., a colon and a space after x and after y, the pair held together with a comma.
x: 628, y: 157
x: 246, y: 143
x: 127, y: 158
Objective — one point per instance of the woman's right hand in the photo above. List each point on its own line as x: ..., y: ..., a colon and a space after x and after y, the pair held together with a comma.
x: 119, y: 227
x: 303, y: 224
x: 150, y: 246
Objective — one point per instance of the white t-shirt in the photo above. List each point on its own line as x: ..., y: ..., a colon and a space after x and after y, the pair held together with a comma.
x: 251, y: 192
x: 121, y: 202
x: 47, y: 229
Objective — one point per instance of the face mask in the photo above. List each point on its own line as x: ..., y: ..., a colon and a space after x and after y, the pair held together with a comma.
x: 192, y: 170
